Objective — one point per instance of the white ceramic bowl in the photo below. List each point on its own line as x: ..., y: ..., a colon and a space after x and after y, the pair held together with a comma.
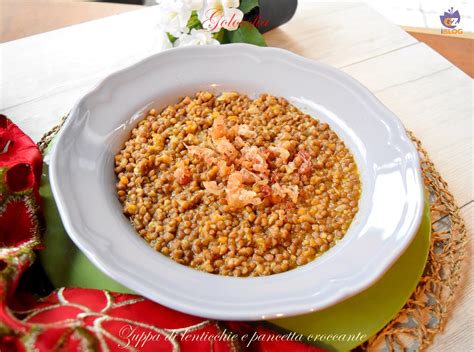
x: 83, y: 179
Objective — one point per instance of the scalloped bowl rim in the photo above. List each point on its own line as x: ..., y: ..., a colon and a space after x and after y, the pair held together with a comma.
x: 85, y: 146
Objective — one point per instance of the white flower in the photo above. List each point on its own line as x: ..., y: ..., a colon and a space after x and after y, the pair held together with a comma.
x: 196, y: 37
x: 162, y: 41
x: 194, y: 5
x: 174, y: 14
x: 221, y: 13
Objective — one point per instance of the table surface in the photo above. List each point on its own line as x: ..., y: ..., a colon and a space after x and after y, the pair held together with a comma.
x: 19, y: 19
x: 43, y: 75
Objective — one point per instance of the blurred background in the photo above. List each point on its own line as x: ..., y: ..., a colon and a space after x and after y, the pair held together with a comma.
x: 420, y: 18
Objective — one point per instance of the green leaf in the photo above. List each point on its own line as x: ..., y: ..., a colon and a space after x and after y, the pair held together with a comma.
x: 171, y: 37
x: 221, y: 36
x: 246, y: 33
x: 247, y: 5
x: 194, y: 22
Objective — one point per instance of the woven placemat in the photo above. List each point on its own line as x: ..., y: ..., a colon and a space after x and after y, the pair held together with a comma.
x: 425, y: 313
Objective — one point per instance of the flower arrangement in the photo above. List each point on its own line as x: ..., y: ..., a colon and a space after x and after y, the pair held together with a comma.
x: 207, y: 22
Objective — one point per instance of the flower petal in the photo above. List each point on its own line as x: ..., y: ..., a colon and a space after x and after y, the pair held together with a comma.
x: 233, y: 18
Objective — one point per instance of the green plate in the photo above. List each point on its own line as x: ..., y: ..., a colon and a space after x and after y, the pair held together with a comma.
x: 369, y: 311
x: 64, y: 264
x: 360, y: 316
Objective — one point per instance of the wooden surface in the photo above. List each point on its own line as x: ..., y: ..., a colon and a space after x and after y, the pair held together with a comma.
x: 22, y: 18
x: 457, y: 49
x: 19, y: 19
x: 43, y: 75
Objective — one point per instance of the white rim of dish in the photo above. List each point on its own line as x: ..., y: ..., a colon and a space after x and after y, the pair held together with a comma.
x: 274, y: 309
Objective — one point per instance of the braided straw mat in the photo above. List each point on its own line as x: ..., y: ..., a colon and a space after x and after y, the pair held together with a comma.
x: 425, y: 313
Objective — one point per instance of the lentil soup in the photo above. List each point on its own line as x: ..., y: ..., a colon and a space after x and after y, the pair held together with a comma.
x: 238, y: 187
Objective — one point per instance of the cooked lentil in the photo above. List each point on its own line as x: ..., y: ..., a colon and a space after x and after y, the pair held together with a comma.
x: 234, y: 186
